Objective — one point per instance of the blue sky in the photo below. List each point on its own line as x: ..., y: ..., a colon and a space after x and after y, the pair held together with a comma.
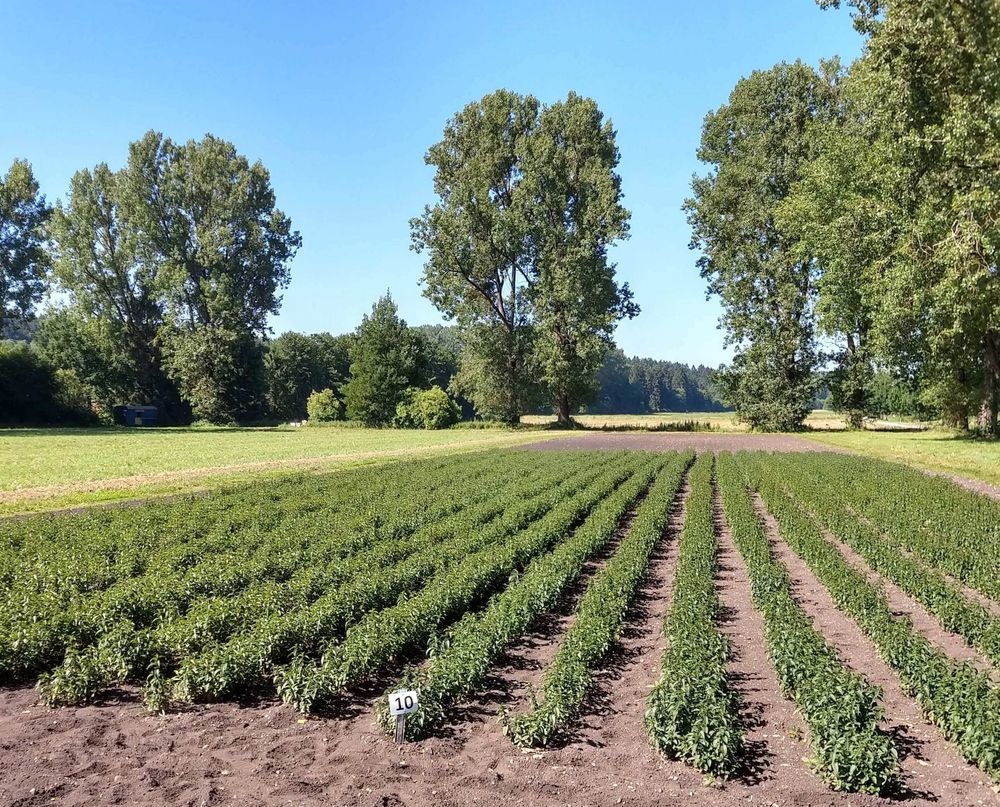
x: 341, y: 100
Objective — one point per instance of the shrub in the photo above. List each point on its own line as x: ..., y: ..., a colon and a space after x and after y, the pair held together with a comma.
x: 324, y: 407
x: 426, y: 409
x: 437, y: 410
x: 33, y: 392
x: 408, y: 414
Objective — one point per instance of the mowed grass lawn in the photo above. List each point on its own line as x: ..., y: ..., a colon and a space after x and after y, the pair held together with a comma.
x: 934, y: 450
x: 47, y: 468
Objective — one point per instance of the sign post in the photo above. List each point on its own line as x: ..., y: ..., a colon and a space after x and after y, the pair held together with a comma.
x: 401, y: 703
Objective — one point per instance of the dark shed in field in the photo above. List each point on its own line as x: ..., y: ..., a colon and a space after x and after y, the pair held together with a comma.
x: 132, y: 415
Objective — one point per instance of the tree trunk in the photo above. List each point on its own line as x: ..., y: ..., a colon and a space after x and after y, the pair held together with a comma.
x: 562, y: 409
x: 991, y: 384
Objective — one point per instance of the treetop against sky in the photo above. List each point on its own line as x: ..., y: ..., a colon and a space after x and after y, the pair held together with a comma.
x: 341, y: 102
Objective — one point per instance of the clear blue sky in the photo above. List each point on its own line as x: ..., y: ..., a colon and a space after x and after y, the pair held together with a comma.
x: 340, y: 101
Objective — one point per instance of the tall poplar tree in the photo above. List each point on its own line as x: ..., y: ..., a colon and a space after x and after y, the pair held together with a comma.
x: 528, y: 204
x: 757, y: 146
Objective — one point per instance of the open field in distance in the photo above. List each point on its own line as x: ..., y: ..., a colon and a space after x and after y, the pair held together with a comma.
x: 48, y: 468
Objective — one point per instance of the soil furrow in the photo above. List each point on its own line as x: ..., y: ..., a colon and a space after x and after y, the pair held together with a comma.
x: 902, y: 604
x: 624, y: 681
x: 932, y: 769
x: 776, y: 735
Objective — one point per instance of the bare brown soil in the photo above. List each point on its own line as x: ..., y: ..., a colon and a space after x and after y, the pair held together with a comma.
x: 932, y: 770
x: 678, y: 441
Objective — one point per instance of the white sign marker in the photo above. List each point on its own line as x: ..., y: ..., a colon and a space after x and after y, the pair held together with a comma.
x: 401, y: 703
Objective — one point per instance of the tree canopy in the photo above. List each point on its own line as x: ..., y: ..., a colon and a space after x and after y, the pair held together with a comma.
x: 528, y: 204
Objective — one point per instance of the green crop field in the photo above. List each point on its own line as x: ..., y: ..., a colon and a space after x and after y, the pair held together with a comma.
x: 425, y: 574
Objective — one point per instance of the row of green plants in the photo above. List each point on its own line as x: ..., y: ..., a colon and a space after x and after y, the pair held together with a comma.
x: 252, y: 658
x: 323, y: 596
x: 382, y: 635
x: 247, y: 632
x: 961, y: 700
x: 218, y: 564
x: 462, y: 658
x: 841, y: 708
x: 693, y: 713
x: 886, y: 553
x: 598, y: 620
x: 62, y: 557
x: 950, y: 528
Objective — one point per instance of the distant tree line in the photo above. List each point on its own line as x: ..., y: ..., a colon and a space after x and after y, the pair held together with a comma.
x: 859, y: 207
x: 637, y: 386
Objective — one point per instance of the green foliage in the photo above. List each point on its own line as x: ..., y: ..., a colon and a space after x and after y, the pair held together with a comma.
x: 385, y: 361
x: 692, y: 713
x: 961, y: 700
x: 637, y: 386
x: 600, y: 616
x: 517, y: 247
x: 407, y: 412
x: 576, y: 214
x: 108, y: 333
x: 323, y: 406
x: 23, y: 259
x: 172, y: 266
x: 32, y: 392
x: 168, y: 583
x: 380, y: 636
x: 219, y: 371
x: 294, y: 366
x: 462, y: 658
x: 758, y: 146
x: 436, y: 409
x: 841, y: 708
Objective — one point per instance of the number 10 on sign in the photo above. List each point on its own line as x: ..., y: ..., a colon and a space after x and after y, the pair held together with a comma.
x: 401, y: 703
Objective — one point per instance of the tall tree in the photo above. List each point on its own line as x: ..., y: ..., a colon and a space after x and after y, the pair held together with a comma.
x: 576, y: 215
x: 207, y: 220
x: 847, y: 215
x: 101, y: 265
x: 476, y: 237
x: 757, y: 146
x: 385, y: 361
x: 932, y: 69
x: 517, y: 247
x: 23, y: 259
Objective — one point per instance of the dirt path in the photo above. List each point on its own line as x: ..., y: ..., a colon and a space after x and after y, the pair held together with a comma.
x: 932, y: 769
x: 679, y: 441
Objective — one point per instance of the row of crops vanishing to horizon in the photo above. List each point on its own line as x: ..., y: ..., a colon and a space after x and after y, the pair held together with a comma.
x: 427, y: 572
